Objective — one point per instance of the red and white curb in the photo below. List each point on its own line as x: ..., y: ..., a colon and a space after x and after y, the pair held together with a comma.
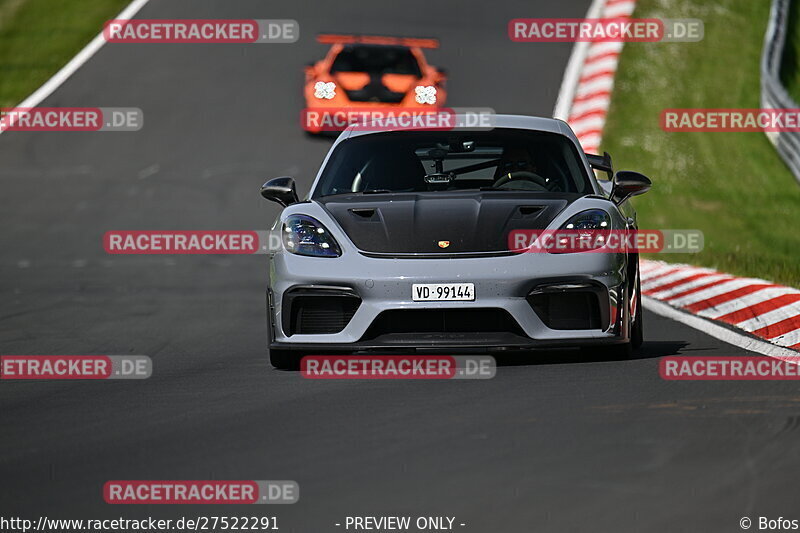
x: 761, y: 309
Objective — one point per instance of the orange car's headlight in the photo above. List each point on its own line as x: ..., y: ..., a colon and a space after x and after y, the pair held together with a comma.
x: 324, y: 90
x: 425, y: 94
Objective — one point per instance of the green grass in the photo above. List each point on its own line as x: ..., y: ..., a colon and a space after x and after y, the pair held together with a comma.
x: 732, y: 186
x: 38, y: 37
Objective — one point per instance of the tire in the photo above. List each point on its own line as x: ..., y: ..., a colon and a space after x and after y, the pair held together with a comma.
x: 637, y: 328
x: 625, y: 350
x: 285, y: 359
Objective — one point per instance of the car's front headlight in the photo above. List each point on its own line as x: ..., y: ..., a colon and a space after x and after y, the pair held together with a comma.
x: 583, y: 232
x: 304, y: 235
x: 589, y: 219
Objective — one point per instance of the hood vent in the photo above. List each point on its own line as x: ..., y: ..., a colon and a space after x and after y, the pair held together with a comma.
x: 363, y: 212
x: 526, y: 210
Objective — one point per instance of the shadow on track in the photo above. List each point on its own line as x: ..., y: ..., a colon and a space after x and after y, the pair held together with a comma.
x: 648, y: 350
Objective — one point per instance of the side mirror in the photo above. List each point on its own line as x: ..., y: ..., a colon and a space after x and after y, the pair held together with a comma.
x: 628, y: 183
x: 281, y: 190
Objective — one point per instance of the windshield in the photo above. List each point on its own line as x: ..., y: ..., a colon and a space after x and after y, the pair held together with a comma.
x: 501, y: 159
x: 376, y: 59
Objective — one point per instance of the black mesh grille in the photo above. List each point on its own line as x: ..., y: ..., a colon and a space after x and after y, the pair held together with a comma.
x: 567, y: 310
x: 319, y: 313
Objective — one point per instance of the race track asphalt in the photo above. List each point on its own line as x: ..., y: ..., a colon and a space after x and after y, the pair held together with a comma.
x: 552, y: 443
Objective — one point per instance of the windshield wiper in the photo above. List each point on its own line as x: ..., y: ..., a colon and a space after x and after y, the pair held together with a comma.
x: 375, y: 191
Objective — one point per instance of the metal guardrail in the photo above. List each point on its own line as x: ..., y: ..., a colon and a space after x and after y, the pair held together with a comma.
x: 773, y: 93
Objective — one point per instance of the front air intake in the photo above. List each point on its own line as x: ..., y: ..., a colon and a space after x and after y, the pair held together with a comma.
x: 316, y: 311
x: 565, y: 306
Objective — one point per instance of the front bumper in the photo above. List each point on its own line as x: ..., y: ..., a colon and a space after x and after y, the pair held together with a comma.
x: 501, y: 283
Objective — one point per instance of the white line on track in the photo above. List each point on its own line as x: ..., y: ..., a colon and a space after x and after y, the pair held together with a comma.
x: 77, y: 62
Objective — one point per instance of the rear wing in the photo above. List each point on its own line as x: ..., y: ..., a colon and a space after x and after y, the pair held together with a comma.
x: 333, y: 38
x: 601, y: 163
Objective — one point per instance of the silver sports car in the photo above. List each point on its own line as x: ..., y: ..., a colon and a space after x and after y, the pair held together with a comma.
x: 403, y: 245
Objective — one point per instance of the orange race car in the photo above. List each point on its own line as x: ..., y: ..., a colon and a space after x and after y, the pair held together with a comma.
x: 372, y: 73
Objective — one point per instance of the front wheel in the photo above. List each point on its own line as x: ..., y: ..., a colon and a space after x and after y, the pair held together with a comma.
x: 637, y: 328
x: 625, y: 350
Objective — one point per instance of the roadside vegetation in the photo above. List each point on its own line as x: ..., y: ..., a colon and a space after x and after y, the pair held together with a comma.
x: 732, y: 186
x: 38, y: 37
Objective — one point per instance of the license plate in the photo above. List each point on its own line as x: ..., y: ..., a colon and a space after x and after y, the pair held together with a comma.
x: 443, y: 292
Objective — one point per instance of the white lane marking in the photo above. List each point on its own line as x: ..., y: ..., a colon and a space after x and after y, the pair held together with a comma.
x: 716, y: 290
x: 77, y: 62
x: 770, y: 317
x: 743, y: 302
x: 699, y: 282
x: 740, y: 340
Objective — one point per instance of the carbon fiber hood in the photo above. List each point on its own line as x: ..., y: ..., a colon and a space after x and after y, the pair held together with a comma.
x: 441, y: 222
